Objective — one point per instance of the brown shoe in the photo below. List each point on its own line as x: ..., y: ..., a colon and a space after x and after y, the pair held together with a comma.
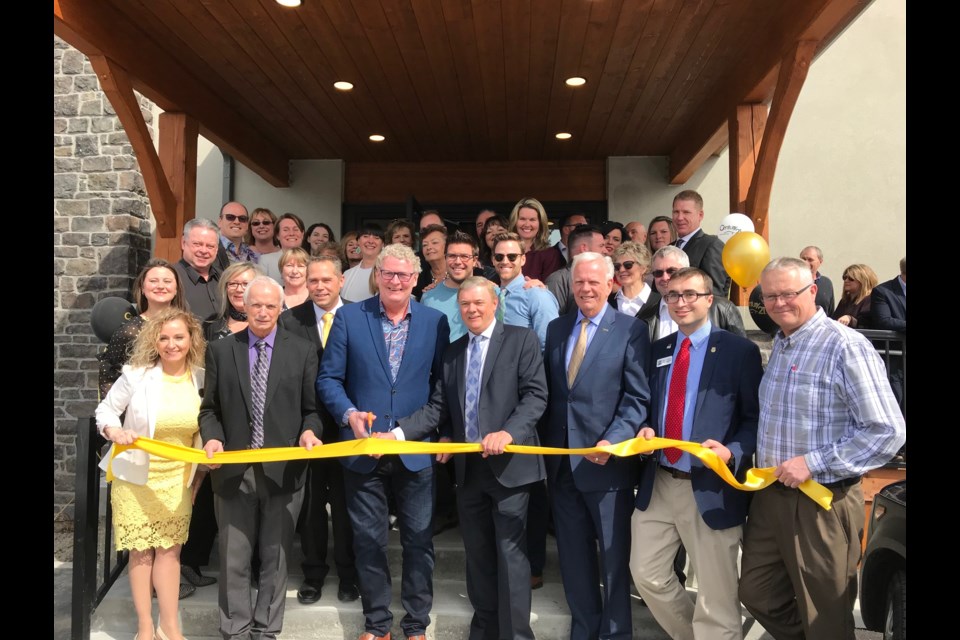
x: 366, y: 635
x: 536, y: 582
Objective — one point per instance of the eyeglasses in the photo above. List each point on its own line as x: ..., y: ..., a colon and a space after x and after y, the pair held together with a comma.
x: 789, y: 296
x: 628, y: 264
x: 463, y: 257
x: 257, y: 223
x: 404, y: 278
x: 233, y: 286
x: 672, y: 297
x: 509, y: 257
x: 659, y: 273
x: 233, y: 218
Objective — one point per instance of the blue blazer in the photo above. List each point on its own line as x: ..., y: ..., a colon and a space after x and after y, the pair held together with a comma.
x: 727, y: 411
x: 608, y: 400
x: 355, y: 372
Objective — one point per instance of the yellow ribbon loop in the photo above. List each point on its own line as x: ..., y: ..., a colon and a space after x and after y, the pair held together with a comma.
x: 756, y: 478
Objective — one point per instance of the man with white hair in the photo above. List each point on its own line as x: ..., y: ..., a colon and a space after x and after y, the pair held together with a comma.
x: 636, y: 231
x: 827, y: 413
x: 594, y: 362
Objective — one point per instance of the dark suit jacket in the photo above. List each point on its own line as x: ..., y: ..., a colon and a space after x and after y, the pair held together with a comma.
x: 727, y: 410
x: 888, y: 306
x: 513, y: 400
x: 355, y: 371
x: 608, y: 400
x: 302, y: 321
x: 723, y: 315
x: 705, y: 251
x: 290, y: 409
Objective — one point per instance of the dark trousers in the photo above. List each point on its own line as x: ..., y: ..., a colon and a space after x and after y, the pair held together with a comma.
x: 325, y: 485
x: 203, y: 528
x: 253, y: 518
x: 798, y: 573
x: 537, y: 524
x: 367, y: 506
x: 493, y: 523
x: 586, y: 521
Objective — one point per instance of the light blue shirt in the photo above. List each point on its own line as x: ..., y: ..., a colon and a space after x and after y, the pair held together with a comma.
x: 532, y: 308
x: 444, y: 299
x: 591, y: 331
x: 698, y: 352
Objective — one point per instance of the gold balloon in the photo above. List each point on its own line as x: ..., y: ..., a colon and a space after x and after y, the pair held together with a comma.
x: 744, y: 257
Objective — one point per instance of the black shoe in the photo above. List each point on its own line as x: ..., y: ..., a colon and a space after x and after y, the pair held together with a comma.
x: 194, y: 577
x: 443, y: 522
x: 347, y: 592
x: 186, y: 590
x: 309, y: 591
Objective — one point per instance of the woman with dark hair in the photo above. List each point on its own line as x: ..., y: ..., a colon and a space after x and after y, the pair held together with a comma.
x: 156, y: 288
x: 350, y: 250
x: 289, y: 235
x: 612, y: 236
x: 158, y: 396
x: 261, y: 236
x: 433, y: 245
x: 400, y: 231
x: 660, y: 233
x: 854, y: 307
x: 317, y: 234
x: 491, y: 227
x: 528, y: 219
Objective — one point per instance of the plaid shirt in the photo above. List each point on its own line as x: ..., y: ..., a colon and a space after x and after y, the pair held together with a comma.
x: 825, y: 396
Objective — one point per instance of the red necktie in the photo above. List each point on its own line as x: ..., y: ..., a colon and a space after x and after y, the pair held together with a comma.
x: 676, y: 400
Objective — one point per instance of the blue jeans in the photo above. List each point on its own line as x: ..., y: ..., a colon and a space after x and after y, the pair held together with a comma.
x: 367, y: 506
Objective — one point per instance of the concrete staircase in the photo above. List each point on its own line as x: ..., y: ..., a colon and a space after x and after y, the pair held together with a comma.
x: 330, y: 619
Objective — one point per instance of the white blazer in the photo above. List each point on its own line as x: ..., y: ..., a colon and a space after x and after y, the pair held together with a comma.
x: 137, y: 392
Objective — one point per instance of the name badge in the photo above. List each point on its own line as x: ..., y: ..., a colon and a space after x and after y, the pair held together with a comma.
x: 663, y: 362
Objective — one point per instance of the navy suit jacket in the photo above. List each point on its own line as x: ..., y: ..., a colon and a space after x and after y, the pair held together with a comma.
x: 513, y: 397
x: 888, y: 306
x: 705, y: 252
x: 608, y: 399
x: 355, y: 372
x: 727, y: 411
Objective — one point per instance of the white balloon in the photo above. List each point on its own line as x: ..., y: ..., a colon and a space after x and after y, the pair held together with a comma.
x: 733, y: 224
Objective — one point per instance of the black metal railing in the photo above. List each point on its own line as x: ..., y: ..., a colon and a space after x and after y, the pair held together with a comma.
x: 89, y: 585
x: 892, y: 347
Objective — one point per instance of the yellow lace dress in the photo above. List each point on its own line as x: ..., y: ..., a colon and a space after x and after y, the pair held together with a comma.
x: 157, y: 514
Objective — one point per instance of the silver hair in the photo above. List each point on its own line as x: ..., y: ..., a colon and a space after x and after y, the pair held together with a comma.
x: 816, y: 250
x: 593, y: 256
x: 678, y: 254
x: 267, y: 280
x: 790, y: 264
x: 201, y: 223
x: 400, y: 252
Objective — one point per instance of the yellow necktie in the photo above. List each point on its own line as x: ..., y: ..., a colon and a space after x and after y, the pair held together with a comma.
x: 579, y: 349
x: 327, y: 323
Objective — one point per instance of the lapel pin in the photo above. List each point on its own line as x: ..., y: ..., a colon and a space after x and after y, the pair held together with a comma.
x: 713, y: 349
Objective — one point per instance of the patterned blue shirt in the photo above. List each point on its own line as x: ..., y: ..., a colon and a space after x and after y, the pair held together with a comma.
x: 825, y: 395
x: 243, y: 253
x: 395, y: 337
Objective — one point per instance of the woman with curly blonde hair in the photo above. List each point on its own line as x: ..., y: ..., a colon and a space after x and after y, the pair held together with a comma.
x: 158, y: 395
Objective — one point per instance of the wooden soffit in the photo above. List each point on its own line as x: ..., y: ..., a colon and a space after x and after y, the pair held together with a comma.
x: 454, y: 80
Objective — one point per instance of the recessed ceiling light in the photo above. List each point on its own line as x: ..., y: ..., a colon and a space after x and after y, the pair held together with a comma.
x: 342, y: 86
x: 289, y: 3
x: 576, y: 81
x: 563, y: 135
x: 377, y: 138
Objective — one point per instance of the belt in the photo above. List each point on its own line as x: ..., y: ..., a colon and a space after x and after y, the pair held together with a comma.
x: 840, y: 484
x: 676, y: 473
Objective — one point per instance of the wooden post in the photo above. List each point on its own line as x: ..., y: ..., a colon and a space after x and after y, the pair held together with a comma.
x: 746, y: 127
x: 178, y: 156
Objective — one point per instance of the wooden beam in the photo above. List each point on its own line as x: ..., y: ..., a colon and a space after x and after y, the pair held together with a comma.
x: 755, y: 79
x: 178, y: 155
x: 115, y: 84
x: 97, y: 28
x: 793, y: 73
x: 746, y: 129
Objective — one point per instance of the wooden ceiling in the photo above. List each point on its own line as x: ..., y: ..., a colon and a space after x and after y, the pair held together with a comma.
x: 454, y: 80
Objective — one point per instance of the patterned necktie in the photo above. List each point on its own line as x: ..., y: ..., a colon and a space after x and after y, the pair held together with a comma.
x: 258, y: 391
x: 679, y: 243
x: 676, y: 400
x: 472, y: 396
x: 579, y: 350
x: 327, y: 323
x: 501, y: 304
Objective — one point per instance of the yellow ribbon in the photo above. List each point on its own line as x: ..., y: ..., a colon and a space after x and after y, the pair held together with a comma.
x: 755, y: 480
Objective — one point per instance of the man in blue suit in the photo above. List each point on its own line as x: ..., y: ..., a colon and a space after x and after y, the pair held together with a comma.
x: 594, y: 361
x: 888, y: 303
x: 704, y: 385
x: 381, y: 360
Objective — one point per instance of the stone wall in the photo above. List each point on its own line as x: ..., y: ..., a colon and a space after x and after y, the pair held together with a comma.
x: 102, y: 229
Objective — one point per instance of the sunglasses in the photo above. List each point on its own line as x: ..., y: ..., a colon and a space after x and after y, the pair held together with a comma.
x: 257, y: 223
x: 511, y: 257
x: 626, y: 265
x: 659, y: 273
x: 233, y: 218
